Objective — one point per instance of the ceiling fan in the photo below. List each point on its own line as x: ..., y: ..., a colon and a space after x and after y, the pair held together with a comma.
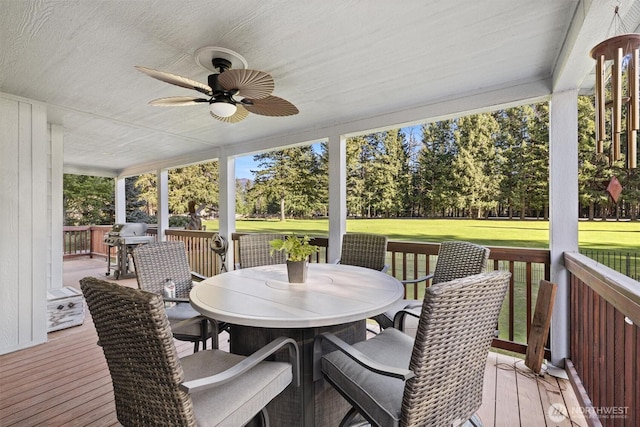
x: 232, y: 93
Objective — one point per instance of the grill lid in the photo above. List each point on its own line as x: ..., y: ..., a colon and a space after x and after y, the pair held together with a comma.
x: 128, y: 229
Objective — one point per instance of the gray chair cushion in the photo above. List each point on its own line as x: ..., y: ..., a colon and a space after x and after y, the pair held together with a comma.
x: 183, y: 311
x: 379, y: 396
x: 234, y: 403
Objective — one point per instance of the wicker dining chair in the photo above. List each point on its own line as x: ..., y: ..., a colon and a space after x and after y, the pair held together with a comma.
x: 434, y: 380
x: 154, y: 264
x: 255, y: 250
x: 364, y: 250
x: 153, y: 387
x: 455, y: 260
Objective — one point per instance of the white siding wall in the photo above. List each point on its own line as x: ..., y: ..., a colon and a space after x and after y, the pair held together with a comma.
x: 25, y: 246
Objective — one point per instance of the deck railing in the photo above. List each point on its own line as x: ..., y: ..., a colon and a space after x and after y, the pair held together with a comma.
x: 85, y: 241
x: 407, y: 260
x: 201, y: 258
x: 625, y: 262
x: 527, y: 266
x: 604, y: 365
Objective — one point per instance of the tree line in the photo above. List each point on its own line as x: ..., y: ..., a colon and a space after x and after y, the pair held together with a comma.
x: 483, y: 165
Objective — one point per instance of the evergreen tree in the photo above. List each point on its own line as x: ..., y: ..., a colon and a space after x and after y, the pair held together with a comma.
x: 387, y: 167
x: 134, y: 206
x: 355, y: 177
x: 474, y: 167
x: 321, y: 204
x: 244, y: 205
x: 290, y: 178
x: 147, y: 191
x: 412, y: 206
x: 434, y: 168
x: 538, y: 160
x: 522, y: 153
x: 511, y: 144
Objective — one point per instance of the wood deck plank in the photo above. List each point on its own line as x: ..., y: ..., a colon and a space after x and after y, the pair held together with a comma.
x: 54, y: 371
x: 531, y: 409
x: 52, y: 388
x: 507, y: 411
x: 573, y: 406
x: 83, y: 355
x: 488, y: 408
x: 26, y: 409
x: 40, y: 352
x: 551, y: 394
x: 89, y: 411
x: 66, y: 382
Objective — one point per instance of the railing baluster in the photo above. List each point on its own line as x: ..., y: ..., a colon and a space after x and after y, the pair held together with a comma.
x: 529, y: 296
x: 511, y: 301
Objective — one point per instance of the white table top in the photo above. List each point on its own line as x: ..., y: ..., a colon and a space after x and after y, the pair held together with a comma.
x: 263, y: 297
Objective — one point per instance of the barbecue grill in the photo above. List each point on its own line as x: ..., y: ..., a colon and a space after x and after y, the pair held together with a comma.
x: 124, y: 237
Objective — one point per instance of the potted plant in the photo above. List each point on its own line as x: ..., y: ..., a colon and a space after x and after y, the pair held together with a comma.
x: 298, y: 250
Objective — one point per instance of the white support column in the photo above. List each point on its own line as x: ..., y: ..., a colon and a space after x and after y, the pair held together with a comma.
x: 162, y: 187
x: 120, y: 201
x: 57, y: 205
x: 563, y: 204
x: 25, y: 248
x: 337, y: 148
x: 227, y: 204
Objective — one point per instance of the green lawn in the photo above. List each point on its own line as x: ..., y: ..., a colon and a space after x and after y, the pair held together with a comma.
x: 610, y: 235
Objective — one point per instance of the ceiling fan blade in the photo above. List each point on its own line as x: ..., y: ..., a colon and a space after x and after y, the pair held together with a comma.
x: 177, y: 101
x: 249, y: 83
x: 271, y: 106
x: 176, y: 80
x: 240, y: 115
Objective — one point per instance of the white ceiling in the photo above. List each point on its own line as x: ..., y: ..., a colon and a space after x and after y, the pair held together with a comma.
x: 347, y: 65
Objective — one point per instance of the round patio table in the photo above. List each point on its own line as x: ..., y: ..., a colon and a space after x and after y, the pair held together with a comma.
x: 261, y: 305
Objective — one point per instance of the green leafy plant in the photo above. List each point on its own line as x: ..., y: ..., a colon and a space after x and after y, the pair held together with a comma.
x: 296, y: 248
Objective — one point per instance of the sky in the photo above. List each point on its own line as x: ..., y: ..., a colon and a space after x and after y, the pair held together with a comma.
x: 244, y: 166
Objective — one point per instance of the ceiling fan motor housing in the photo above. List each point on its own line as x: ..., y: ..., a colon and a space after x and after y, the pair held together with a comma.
x: 221, y: 64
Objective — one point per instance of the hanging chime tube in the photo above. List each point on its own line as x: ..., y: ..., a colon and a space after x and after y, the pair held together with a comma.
x: 615, y: 49
x: 634, y: 113
x: 601, y: 130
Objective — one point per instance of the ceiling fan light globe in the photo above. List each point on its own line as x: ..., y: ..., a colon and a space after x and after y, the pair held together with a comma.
x: 223, y: 109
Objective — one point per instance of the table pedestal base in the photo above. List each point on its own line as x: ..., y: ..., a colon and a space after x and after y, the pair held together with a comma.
x: 311, y: 404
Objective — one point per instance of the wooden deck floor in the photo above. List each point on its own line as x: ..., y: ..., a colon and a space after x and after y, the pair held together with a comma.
x: 66, y: 382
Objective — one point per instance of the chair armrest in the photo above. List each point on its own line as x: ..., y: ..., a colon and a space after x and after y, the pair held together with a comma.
x: 398, y: 319
x: 248, y: 363
x: 357, y: 356
x: 418, y: 280
x: 197, y: 276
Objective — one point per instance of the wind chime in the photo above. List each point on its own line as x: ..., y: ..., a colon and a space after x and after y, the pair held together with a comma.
x: 617, y: 62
